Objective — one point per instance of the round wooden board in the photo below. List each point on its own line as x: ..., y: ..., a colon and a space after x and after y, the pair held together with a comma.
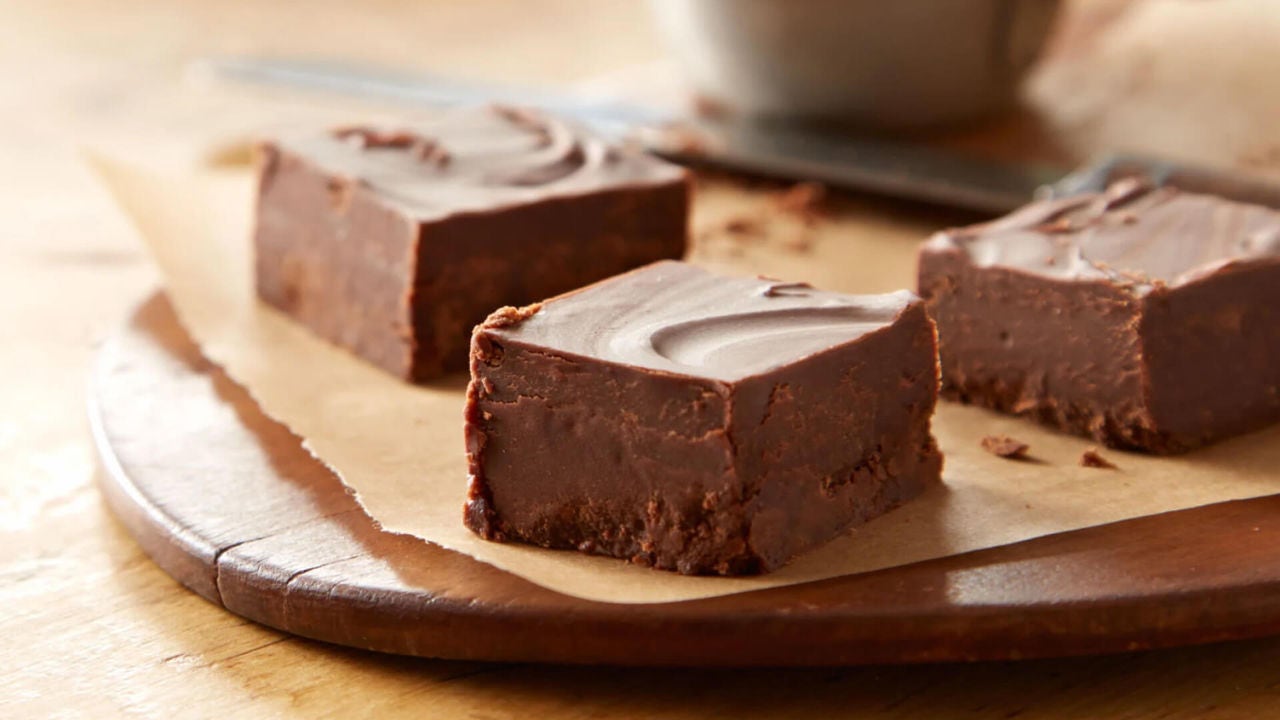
x: 227, y: 501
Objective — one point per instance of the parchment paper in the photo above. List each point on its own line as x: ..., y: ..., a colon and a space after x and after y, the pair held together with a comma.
x: 400, y: 447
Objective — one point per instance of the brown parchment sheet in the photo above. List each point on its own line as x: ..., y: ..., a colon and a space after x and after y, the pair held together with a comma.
x: 399, y: 448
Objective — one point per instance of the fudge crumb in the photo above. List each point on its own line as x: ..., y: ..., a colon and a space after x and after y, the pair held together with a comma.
x: 744, y: 226
x: 1091, y: 458
x: 772, y: 221
x: 1005, y: 447
x: 803, y: 200
x: 508, y: 316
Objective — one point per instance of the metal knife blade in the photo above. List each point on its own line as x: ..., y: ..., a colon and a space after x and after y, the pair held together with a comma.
x: 861, y: 163
x: 866, y: 163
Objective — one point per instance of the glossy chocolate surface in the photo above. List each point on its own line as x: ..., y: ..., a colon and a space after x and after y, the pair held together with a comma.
x: 679, y: 319
x: 476, y: 159
x: 1135, y: 233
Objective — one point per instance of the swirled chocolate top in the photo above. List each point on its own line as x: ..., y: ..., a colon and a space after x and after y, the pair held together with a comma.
x: 1134, y: 233
x: 677, y: 318
x: 468, y: 159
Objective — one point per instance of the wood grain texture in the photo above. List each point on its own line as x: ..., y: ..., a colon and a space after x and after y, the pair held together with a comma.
x: 228, y: 502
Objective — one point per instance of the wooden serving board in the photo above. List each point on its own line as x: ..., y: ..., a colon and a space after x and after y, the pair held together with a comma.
x: 228, y: 503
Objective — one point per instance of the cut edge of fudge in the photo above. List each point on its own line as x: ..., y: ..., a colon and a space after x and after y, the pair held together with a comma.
x: 724, y: 477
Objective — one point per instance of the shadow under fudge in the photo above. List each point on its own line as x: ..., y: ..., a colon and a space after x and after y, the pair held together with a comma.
x: 1147, y: 318
x: 696, y: 422
x: 395, y: 243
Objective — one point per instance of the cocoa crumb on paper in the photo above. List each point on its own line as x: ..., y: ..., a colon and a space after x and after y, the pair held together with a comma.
x: 1005, y: 447
x: 805, y: 201
x: 785, y: 219
x: 1092, y: 459
x: 745, y: 226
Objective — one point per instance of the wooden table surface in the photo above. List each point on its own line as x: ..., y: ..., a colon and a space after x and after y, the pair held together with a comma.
x: 89, y: 627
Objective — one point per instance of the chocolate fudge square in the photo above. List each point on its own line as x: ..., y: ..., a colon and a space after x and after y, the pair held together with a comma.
x: 699, y: 423
x: 1144, y: 317
x: 395, y: 242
